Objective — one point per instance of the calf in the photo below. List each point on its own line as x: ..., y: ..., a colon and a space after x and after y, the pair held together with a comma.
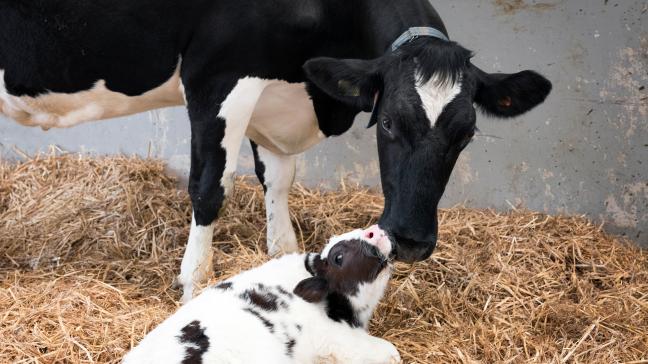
x: 301, y: 308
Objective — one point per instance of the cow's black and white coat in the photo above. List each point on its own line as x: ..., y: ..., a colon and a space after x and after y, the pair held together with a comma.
x: 284, y: 73
x: 301, y: 308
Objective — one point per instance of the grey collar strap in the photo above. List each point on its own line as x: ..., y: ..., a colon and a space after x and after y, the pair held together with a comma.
x: 415, y: 32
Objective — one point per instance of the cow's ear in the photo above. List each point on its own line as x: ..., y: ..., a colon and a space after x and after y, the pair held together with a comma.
x: 508, y: 95
x: 353, y: 82
x: 312, y: 289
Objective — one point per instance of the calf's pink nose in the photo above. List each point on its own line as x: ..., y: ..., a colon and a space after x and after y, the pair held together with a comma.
x: 373, y: 234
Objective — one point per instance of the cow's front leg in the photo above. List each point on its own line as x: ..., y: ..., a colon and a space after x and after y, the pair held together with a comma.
x: 276, y: 173
x: 217, y: 131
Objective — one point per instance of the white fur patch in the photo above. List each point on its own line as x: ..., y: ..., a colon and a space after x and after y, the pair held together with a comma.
x: 279, y: 176
x: 64, y: 110
x: 197, y: 259
x: 435, y: 95
x: 369, y: 295
x: 237, y: 110
x: 351, y: 235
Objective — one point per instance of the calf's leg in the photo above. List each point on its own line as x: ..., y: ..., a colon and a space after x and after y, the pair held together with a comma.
x: 276, y: 173
x: 343, y: 344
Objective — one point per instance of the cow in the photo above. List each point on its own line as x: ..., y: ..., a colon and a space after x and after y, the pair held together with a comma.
x: 300, y: 308
x: 285, y: 74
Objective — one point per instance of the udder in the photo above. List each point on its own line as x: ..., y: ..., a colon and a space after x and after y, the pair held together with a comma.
x: 284, y: 119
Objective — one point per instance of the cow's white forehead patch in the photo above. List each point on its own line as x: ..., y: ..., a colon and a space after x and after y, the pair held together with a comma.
x: 436, y: 94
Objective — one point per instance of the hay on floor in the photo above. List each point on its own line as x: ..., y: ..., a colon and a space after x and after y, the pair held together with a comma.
x: 89, y: 249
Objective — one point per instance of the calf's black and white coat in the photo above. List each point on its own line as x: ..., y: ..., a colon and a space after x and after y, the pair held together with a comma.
x: 301, y: 308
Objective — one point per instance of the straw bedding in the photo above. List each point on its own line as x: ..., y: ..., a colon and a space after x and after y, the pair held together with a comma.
x: 89, y: 249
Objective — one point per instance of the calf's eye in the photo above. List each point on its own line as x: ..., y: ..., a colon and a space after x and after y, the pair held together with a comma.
x: 338, y: 259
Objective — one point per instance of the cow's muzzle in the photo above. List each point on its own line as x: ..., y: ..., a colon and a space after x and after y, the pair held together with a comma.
x: 410, y: 251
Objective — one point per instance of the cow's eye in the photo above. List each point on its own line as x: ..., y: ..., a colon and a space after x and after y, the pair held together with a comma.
x: 338, y: 259
x: 387, y: 125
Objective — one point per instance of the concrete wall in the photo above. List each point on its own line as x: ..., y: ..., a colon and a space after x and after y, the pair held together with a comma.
x: 584, y: 151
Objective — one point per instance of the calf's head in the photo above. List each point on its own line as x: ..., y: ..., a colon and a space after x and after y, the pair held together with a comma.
x: 423, y: 98
x: 353, y: 269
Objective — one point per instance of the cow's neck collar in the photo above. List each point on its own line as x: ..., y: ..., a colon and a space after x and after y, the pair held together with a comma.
x: 415, y: 32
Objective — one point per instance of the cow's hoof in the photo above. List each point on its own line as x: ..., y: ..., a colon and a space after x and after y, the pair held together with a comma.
x: 177, y: 283
x: 186, y: 297
x: 187, y: 290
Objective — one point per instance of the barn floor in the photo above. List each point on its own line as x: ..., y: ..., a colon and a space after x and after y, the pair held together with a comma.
x: 89, y: 249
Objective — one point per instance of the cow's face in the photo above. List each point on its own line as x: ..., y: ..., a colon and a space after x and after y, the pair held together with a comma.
x: 422, y: 98
x: 354, y: 264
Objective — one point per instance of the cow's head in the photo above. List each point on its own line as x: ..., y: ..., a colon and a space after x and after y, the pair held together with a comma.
x: 423, y: 98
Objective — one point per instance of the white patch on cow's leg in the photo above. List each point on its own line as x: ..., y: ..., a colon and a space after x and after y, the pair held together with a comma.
x: 436, y: 94
x: 237, y: 110
x: 278, y: 177
x: 197, y: 259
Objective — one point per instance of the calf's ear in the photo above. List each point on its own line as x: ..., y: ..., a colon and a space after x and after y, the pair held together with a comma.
x: 312, y: 289
x: 353, y: 82
x: 508, y: 95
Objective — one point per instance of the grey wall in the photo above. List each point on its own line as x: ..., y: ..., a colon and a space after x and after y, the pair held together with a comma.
x: 584, y: 151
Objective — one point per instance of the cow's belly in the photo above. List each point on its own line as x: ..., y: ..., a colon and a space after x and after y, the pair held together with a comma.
x: 63, y: 110
x: 284, y: 119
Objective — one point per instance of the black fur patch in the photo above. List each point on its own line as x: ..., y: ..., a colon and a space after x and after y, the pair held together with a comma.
x: 282, y: 291
x: 269, y: 325
x: 197, y: 342
x: 224, y: 286
x: 434, y: 57
x: 338, y: 308
x: 259, y: 167
x: 290, y: 346
x: 265, y: 300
